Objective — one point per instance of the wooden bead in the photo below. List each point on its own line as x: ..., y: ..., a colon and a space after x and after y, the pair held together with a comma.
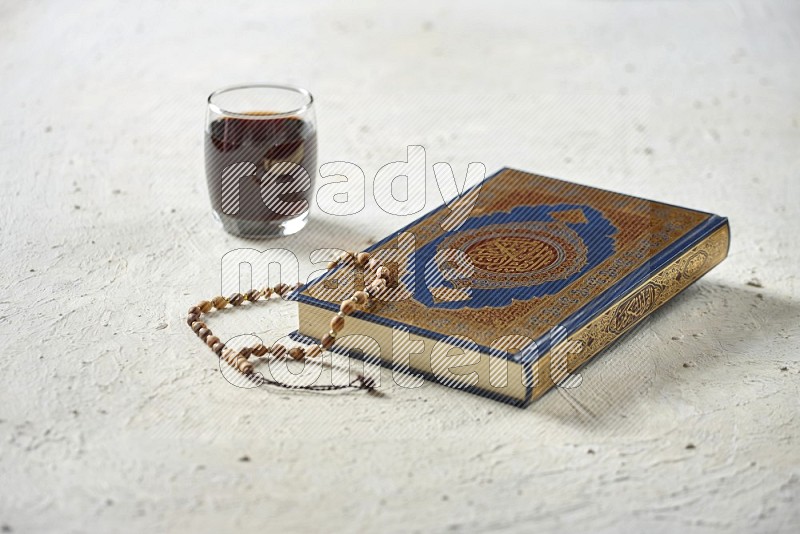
x: 266, y: 292
x: 378, y: 284
x: 193, y: 318
x: 360, y: 298
x: 219, y: 302
x: 236, y: 299
x: 280, y: 289
x: 210, y: 340
x: 297, y: 353
x: 244, y: 352
x: 252, y: 295
x: 327, y: 341
x: 278, y: 350
x: 332, y: 265
x: 260, y: 350
x: 217, y: 347
x: 203, y: 333
x: 362, y: 258
x: 197, y: 325
x: 347, y: 307
x: 205, y: 306
x: 244, y: 367
x: 337, y: 323
x: 388, y: 275
x: 313, y: 351
x: 195, y: 310
x: 229, y: 355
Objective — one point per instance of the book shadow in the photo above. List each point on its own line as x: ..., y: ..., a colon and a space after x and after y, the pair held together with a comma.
x: 679, y: 347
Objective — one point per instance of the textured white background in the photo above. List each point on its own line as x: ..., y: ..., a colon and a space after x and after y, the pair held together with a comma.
x: 113, y: 417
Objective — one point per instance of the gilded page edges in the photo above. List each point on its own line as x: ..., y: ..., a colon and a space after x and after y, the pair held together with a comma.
x: 602, y: 331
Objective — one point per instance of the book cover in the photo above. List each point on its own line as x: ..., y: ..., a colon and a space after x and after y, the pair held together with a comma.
x: 507, y: 290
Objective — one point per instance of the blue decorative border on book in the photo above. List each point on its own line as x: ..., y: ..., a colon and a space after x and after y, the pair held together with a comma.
x: 596, y: 234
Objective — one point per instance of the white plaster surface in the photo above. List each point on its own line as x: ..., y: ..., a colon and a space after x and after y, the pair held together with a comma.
x: 114, y: 418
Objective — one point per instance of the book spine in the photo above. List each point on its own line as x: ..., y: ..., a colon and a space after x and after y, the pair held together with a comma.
x: 624, y: 314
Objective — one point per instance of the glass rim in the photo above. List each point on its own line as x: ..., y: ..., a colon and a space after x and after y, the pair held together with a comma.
x: 256, y: 115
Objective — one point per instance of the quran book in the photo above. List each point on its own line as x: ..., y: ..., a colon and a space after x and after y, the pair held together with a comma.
x: 511, y: 287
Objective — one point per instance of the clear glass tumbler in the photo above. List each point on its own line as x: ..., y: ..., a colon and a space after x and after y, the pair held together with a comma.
x: 261, y: 158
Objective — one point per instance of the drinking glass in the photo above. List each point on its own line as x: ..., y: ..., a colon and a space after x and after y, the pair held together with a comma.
x: 261, y: 158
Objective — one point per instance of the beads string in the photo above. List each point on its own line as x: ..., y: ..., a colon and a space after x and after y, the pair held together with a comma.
x: 381, y: 278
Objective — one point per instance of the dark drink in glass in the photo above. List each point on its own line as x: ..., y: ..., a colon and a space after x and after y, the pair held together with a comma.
x: 261, y: 157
